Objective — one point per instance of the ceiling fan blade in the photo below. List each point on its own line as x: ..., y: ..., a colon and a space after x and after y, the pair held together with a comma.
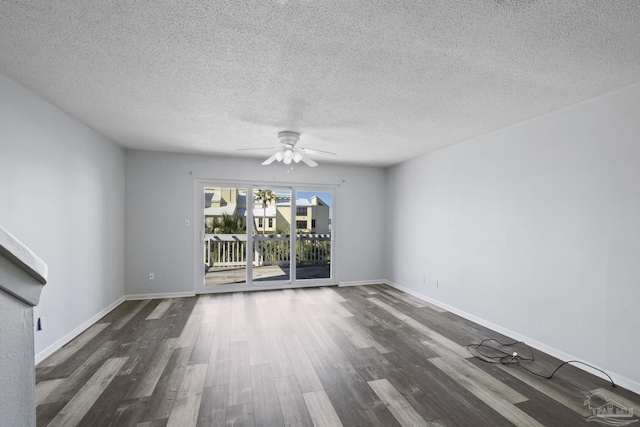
x: 260, y: 148
x: 308, y: 161
x: 270, y: 159
x: 318, y: 152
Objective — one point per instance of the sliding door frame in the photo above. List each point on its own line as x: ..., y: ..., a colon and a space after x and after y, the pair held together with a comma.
x: 249, y: 284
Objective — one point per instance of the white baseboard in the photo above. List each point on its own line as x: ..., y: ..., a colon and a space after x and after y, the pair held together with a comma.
x: 620, y: 380
x: 159, y: 296
x: 362, y: 283
x: 77, y: 331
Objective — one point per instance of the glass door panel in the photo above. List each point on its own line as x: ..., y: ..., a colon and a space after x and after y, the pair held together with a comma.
x: 313, y: 234
x: 271, y: 232
x: 225, y: 236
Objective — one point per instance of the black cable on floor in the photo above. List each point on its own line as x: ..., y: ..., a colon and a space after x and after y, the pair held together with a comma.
x: 504, y: 358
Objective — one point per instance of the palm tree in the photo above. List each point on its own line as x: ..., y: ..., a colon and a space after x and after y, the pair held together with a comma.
x: 229, y: 224
x: 264, y: 196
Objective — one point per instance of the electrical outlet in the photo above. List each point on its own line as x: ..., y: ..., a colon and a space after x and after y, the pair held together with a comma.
x: 152, y: 276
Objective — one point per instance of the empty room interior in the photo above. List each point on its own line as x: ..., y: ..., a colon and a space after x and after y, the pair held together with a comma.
x: 319, y: 213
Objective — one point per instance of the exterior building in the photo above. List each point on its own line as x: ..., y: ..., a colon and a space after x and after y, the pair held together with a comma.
x: 312, y: 216
x: 224, y: 201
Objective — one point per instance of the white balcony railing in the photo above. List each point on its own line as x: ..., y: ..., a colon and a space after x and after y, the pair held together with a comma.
x: 229, y: 250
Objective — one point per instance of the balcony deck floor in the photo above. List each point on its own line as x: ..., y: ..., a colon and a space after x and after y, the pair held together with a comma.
x: 224, y: 276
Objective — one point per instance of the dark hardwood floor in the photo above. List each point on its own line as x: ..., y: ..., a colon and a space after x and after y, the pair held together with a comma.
x: 354, y: 356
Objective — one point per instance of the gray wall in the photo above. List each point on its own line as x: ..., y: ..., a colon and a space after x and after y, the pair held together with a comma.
x: 160, y: 196
x: 534, y: 229
x: 62, y: 195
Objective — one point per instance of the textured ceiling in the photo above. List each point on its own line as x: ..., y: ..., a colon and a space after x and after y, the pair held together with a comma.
x: 377, y: 82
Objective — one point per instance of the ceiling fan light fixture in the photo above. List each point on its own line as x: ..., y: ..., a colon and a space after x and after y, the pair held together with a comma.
x: 297, y: 157
x: 288, y: 155
x: 279, y: 156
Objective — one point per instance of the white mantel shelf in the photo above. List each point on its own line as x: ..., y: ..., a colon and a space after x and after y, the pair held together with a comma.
x: 22, y: 273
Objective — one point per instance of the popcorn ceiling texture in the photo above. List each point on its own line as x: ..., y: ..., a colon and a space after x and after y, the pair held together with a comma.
x: 377, y: 82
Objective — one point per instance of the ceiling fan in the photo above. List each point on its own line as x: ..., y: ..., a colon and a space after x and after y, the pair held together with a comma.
x: 288, y: 152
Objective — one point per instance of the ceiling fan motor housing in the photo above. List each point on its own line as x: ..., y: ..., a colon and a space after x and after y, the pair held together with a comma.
x: 288, y: 137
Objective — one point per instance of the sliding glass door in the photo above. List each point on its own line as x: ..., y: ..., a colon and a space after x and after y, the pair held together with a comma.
x: 271, y: 235
x: 225, y: 235
x: 313, y: 234
x: 263, y: 236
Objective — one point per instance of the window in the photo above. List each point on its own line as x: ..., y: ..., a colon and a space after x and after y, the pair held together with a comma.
x: 313, y: 223
x: 301, y: 211
x: 259, y: 222
x: 302, y: 225
x: 270, y: 223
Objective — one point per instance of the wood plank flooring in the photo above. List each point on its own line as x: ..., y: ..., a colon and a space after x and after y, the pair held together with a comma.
x: 354, y: 356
